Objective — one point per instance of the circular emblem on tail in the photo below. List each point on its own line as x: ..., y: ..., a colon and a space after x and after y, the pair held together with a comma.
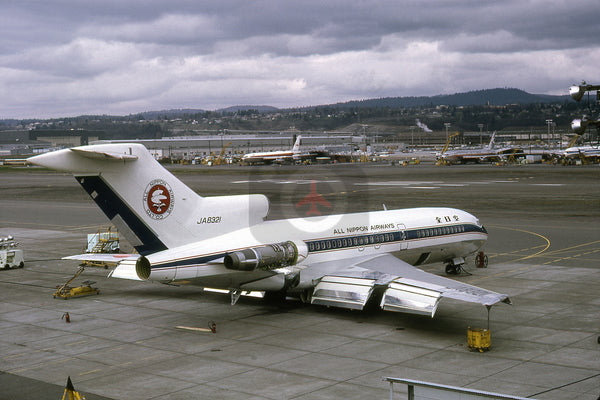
x: 158, y: 199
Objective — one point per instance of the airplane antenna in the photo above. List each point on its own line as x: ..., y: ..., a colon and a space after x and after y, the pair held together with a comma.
x: 384, y: 207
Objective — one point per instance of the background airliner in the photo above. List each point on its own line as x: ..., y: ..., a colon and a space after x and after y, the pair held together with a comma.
x: 489, y: 153
x: 225, y: 242
x: 268, y: 157
x: 590, y: 152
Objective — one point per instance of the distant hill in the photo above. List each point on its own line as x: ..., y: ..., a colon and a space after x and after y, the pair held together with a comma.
x: 260, y: 109
x: 473, y: 98
x: 498, y: 97
x: 173, y: 113
x: 180, y: 112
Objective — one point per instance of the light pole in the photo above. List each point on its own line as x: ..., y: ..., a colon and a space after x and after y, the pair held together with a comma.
x: 447, y: 125
x: 549, y: 122
x: 480, y: 126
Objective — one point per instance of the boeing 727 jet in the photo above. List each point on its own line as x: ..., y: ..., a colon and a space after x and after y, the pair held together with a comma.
x: 225, y: 242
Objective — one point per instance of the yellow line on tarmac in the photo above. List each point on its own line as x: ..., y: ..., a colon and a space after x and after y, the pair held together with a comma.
x: 90, y: 372
x: 575, y: 247
x: 529, y: 233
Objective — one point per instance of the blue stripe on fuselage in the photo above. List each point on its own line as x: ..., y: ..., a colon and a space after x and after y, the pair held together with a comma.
x: 347, y: 242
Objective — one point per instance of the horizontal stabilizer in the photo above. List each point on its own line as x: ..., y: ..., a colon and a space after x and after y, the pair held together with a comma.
x: 102, y: 257
x: 344, y: 292
x: 103, y: 155
x: 110, y: 258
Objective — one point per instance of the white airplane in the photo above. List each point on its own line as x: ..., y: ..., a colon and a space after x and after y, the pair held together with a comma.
x: 589, y: 152
x: 274, y: 156
x: 225, y: 242
x: 487, y: 154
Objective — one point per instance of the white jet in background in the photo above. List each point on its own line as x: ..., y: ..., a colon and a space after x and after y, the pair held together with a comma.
x: 282, y: 156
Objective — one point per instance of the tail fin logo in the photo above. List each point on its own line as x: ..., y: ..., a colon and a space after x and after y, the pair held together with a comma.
x: 158, y: 199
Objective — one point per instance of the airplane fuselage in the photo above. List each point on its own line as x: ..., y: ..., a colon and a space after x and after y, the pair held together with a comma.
x: 416, y: 236
x: 477, y: 156
x: 270, y: 157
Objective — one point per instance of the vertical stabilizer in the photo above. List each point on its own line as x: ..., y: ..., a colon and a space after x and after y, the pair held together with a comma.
x: 491, y: 144
x: 151, y: 207
x: 296, y: 147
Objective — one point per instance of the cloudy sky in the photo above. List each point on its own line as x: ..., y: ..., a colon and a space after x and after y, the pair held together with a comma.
x: 72, y: 57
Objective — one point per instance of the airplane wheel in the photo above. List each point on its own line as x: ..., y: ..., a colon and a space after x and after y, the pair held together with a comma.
x: 450, y: 269
x: 481, y: 261
x: 306, y: 296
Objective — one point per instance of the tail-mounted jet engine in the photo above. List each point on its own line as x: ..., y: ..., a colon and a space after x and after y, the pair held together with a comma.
x: 271, y: 256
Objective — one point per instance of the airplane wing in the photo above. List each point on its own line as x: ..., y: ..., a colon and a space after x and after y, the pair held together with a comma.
x: 405, y: 288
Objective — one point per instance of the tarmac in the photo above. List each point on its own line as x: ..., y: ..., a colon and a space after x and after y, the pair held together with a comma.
x: 125, y: 343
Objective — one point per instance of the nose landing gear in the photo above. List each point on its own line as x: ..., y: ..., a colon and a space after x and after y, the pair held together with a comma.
x: 454, y: 267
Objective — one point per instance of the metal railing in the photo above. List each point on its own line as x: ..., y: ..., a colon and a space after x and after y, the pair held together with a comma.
x: 419, y: 390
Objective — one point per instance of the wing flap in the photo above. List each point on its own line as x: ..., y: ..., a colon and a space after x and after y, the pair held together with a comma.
x: 406, y: 288
x: 343, y: 291
x: 409, y: 296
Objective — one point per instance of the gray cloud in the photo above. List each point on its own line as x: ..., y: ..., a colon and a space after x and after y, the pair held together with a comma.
x: 69, y: 57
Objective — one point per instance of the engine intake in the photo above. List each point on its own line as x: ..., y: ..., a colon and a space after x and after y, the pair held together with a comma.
x: 271, y: 256
x: 142, y: 268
